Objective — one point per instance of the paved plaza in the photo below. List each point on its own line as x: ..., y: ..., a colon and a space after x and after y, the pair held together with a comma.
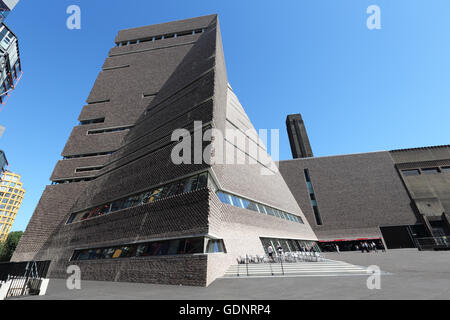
x: 412, y: 275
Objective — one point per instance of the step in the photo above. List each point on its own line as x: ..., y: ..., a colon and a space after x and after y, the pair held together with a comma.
x: 325, y: 268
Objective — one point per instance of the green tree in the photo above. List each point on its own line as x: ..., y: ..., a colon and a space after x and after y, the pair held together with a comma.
x: 7, y: 248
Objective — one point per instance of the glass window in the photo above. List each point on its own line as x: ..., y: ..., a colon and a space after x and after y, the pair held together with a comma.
x: 108, y: 253
x: 261, y: 208
x: 414, y: 172
x: 117, y: 205
x: 224, y: 197
x: 105, y: 209
x: 445, y: 169
x: 191, y: 184
x: 82, y: 255
x: 252, y: 206
x: 194, y: 245
x: 154, y: 249
x: 317, y: 216
x: 131, y: 202
x: 245, y: 203
x: 141, y: 249
x: 179, y: 188
x: 175, y: 246
x: 70, y: 220
x: 430, y: 170
x: 146, y: 197
x: 215, y: 246
x: 168, y: 191
x: 236, y: 202
x: 156, y: 194
x: 202, y: 180
x: 117, y: 253
x: 269, y: 211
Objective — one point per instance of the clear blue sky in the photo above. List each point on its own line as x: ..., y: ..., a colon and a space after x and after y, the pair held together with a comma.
x: 358, y: 90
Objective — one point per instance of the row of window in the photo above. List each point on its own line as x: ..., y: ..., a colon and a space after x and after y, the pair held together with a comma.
x: 289, y: 245
x: 258, y: 207
x: 6, y: 219
x: 6, y: 207
x: 11, y: 184
x: 72, y: 180
x: 182, y: 186
x: 11, y: 195
x: 87, y: 155
x: 6, y: 213
x: 162, y: 37
x: 150, y: 249
x: 87, y: 169
x: 92, y: 121
x: 416, y: 172
x: 9, y: 201
x: 9, y: 177
x: 99, y: 131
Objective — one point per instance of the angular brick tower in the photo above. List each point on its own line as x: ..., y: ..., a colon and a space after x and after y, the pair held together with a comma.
x: 121, y: 210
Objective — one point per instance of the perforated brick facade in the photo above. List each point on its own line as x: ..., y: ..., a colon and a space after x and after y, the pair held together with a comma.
x: 157, y: 79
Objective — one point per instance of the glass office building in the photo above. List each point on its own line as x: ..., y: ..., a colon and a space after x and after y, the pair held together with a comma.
x: 10, y: 67
x: 6, y: 7
x: 11, y: 197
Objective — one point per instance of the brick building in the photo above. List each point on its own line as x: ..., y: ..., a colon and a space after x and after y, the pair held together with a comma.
x: 120, y: 208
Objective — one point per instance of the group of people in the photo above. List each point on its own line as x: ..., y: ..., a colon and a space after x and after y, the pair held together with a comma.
x: 368, y: 247
x: 365, y: 246
x: 271, y: 251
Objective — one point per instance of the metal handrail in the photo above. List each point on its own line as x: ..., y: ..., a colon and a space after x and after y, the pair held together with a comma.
x: 433, y: 242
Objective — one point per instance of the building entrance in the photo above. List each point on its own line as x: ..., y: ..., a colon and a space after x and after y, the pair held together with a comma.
x: 397, y: 237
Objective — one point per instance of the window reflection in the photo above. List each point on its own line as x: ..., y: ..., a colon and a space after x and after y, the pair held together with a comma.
x: 258, y: 207
x: 179, y: 187
x: 154, y: 248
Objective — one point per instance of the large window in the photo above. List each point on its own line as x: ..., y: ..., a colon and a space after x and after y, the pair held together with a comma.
x: 289, y: 245
x: 150, y: 249
x: 99, y: 131
x: 92, y: 121
x: 312, y: 196
x: 413, y: 172
x: 175, y: 188
x: 430, y: 170
x: 258, y: 207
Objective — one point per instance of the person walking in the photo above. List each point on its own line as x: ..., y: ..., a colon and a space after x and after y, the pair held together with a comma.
x: 337, y: 248
x: 374, y: 247
x: 280, y: 250
x: 270, y: 252
x: 366, y: 247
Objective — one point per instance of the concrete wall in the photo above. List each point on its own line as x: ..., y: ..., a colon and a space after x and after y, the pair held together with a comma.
x: 430, y: 192
x: 355, y: 194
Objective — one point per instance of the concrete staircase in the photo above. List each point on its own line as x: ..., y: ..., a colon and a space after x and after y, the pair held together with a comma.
x: 298, y: 269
